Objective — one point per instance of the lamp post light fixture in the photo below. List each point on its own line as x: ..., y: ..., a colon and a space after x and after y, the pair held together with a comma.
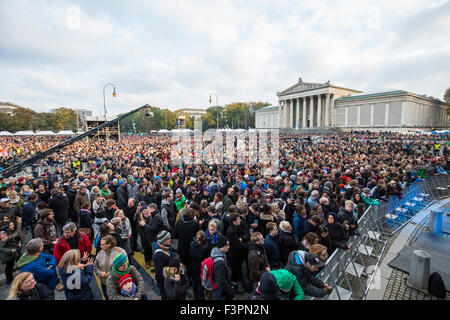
x: 104, y: 104
x: 217, y: 107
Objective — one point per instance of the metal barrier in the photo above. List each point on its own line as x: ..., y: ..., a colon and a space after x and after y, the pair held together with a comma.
x: 351, y: 273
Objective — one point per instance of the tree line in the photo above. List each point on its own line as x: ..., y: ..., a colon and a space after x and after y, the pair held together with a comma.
x: 25, y: 119
x: 234, y: 115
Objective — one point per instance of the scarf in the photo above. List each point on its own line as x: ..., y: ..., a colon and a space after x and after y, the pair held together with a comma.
x: 117, y: 274
x: 211, y: 238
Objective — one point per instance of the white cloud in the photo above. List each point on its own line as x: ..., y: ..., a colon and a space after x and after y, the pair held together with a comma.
x: 174, y: 53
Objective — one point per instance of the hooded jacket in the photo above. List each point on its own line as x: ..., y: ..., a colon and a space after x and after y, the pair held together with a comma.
x: 221, y: 276
x: 288, y: 284
x: 38, y: 266
x: 311, y: 285
x: 168, y: 214
x: 176, y: 290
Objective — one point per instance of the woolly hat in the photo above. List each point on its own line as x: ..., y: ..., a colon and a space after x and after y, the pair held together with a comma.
x: 124, y: 279
x: 222, y: 241
x: 174, y: 262
x: 163, y: 236
x: 268, y: 284
x: 121, y: 182
x: 119, y: 261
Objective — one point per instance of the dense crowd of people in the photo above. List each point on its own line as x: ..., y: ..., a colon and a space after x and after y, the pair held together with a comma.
x: 220, y: 230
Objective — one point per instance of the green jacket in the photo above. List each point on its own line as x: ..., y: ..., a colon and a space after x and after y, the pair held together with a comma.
x: 6, y: 252
x: 180, y: 203
x: 369, y: 201
x: 288, y: 282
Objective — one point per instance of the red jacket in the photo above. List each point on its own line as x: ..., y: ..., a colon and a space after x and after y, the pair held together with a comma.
x: 61, y: 247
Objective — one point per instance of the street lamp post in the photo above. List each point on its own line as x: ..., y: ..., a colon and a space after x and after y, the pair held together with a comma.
x: 104, y: 104
x: 217, y: 107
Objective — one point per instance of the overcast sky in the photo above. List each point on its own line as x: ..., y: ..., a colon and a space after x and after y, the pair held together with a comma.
x: 174, y: 53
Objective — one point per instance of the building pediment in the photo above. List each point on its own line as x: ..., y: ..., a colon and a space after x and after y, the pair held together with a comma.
x: 302, y: 86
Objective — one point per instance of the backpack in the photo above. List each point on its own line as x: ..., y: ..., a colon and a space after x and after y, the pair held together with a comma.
x: 206, y: 273
x: 436, y: 286
x: 44, y: 226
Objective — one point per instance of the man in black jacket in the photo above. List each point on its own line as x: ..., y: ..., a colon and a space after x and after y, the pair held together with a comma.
x: 221, y: 271
x: 238, y: 247
x: 59, y: 203
x: 130, y: 213
x: 185, y: 230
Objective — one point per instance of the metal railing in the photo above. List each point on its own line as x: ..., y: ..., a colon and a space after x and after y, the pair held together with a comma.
x: 352, y: 273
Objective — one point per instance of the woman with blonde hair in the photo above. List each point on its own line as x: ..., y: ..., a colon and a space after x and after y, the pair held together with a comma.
x: 24, y: 287
x: 71, y: 269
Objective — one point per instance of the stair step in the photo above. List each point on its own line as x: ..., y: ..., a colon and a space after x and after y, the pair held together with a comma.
x: 343, y: 293
x: 362, y: 249
x: 351, y: 270
x: 374, y: 235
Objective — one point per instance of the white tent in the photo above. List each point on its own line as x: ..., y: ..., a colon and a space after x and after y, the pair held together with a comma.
x: 65, y: 133
x: 163, y: 131
x: 45, y: 133
x: 24, y: 133
x: 5, y: 133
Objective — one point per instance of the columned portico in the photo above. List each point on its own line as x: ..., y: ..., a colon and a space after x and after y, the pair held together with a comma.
x: 299, y: 108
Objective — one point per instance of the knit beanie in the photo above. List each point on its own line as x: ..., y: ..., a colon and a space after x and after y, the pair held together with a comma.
x: 163, y: 236
x: 222, y: 241
x: 268, y: 284
x: 119, y: 261
x: 124, y: 279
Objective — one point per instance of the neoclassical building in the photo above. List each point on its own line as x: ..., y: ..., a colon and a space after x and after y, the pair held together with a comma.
x: 307, y: 105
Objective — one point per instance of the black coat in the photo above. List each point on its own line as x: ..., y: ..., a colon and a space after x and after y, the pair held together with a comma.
x: 160, y: 259
x: 337, y: 236
x: 238, y: 249
x: 60, y: 206
x: 122, y: 197
x: 39, y: 292
x: 185, y: 231
x: 287, y: 243
x: 198, y: 253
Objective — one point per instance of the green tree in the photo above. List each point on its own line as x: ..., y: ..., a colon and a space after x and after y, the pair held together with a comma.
x: 65, y: 119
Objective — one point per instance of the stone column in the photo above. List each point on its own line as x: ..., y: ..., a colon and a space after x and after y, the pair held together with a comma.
x: 311, y: 111
x: 285, y: 113
x: 333, y: 121
x: 319, y: 110
x: 279, y: 114
x: 291, y: 112
x: 327, y: 107
x: 304, y: 113
x: 297, y: 115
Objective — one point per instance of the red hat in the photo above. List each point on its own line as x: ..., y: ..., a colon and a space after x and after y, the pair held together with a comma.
x: 21, y: 179
x: 124, y: 279
x: 44, y: 175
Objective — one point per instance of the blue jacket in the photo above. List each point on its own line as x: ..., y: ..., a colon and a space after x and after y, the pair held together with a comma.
x: 298, y: 226
x: 272, y: 251
x: 28, y: 210
x: 38, y: 267
x: 84, y: 291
